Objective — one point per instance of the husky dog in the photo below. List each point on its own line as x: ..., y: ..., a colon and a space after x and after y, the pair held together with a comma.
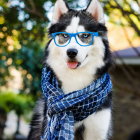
x: 76, y: 66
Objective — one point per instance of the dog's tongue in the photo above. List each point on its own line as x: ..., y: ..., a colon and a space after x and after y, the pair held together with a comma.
x: 72, y: 65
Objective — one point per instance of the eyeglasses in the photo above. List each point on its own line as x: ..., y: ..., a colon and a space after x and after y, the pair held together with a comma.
x: 62, y: 39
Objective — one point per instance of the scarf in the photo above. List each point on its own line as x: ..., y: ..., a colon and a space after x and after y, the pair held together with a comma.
x: 63, y: 110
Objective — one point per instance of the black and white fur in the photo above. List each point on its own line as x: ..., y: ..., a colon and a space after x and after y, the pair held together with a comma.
x: 94, y: 60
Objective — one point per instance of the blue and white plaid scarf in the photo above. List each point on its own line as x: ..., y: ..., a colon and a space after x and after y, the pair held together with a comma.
x: 63, y: 110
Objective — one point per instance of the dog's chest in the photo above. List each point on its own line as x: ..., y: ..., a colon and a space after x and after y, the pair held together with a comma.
x: 74, y: 85
x: 75, y: 82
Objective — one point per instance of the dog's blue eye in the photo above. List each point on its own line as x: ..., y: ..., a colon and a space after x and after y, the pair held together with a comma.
x: 64, y: 35
x: 85, y: 35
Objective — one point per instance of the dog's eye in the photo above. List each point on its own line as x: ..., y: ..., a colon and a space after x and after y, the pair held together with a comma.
x: 64, y: 35
x: 85, y: 35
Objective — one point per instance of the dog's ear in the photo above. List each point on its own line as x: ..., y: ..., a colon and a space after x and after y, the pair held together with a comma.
x: 96, y: 10
x: 59, y: 9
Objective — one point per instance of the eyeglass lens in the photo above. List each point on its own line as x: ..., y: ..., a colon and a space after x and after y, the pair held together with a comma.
x: 84, y: 38
x: 62, y: 38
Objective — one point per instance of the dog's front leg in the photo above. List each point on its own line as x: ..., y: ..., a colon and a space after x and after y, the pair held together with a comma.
x: 97, y: 125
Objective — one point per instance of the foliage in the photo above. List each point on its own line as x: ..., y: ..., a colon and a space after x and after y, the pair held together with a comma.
x: 124, y: 13
x: 22, y: 42
x: 20, y: 103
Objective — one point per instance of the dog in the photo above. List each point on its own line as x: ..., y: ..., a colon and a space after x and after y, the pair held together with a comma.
x: 77, y: 66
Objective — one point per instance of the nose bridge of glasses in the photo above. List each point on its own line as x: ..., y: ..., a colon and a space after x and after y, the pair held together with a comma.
x: 72, y: 34
x: 73, y: 37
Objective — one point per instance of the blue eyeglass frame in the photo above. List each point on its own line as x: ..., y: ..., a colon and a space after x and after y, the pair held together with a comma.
x: 74, y: 35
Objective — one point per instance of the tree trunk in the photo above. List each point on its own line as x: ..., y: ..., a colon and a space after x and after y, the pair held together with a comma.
x: 3, y: 118
x: 18, y: 124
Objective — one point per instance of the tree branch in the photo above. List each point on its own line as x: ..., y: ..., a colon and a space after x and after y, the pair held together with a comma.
x: 130, y: 42
x: 34, y: 11
x: 127, y: 14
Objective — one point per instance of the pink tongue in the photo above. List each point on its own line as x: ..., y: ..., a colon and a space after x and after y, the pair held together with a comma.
x: 72, y: 65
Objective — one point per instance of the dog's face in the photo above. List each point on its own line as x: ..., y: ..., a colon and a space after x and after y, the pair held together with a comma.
x: 74, y: 56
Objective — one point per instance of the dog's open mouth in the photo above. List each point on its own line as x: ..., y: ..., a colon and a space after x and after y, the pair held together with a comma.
x: 73, y: 64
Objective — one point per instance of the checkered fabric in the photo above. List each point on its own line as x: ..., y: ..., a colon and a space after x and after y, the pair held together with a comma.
x: 63, y: 110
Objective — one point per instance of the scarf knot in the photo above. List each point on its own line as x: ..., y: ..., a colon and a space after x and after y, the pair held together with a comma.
x: 63, y: 110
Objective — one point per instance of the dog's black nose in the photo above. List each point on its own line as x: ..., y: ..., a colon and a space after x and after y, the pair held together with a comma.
x: 72, y: 53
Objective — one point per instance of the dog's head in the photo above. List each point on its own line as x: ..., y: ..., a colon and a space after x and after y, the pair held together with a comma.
x: 78, y: 53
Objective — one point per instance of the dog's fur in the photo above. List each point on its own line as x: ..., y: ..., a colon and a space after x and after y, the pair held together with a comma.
x: 94, y: 61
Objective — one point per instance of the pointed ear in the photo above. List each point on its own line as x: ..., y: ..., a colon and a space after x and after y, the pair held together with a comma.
x: 59, y: 9
x: 96, y: 10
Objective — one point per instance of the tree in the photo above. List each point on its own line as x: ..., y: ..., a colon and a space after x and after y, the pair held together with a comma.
x: 9, y: 101
x: 22, y: 33
x: 124, y: 13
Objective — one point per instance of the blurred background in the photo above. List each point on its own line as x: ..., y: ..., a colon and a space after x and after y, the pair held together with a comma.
x: 23, y: 36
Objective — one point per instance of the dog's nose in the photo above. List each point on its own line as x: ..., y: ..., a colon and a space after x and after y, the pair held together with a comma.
x: 72, y: 53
